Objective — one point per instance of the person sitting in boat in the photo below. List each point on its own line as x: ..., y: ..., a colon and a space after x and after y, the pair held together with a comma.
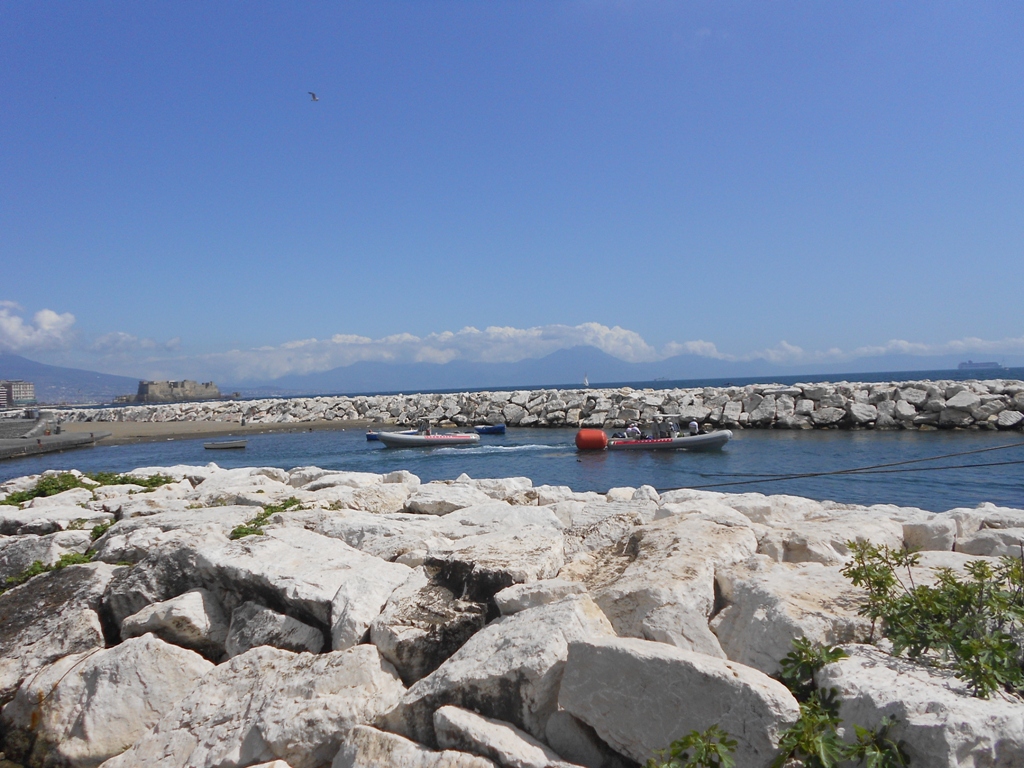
x: 633, y: 431
x: 673, y: 429
x: 424, y: 427
x: 694, y: 427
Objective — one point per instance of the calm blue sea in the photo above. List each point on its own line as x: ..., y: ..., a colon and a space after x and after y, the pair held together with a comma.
x: 549, y: 456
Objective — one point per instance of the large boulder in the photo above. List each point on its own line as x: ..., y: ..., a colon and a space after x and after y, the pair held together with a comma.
x: 361, y: 598
x: 502, y: 742
x: 510, y: 670
x: 18, y: 553
x: 193, y: 620
x: 48, y: 617
x: 270, y: 704
x: 253, y: 625
x: 366, y: 747
x: 442, y: 498
x: 939, y: 722
x: 88, y: 707
x: 291, y: 570
x: 666, y: 589
x: 422, y: 624
x: 824, y: 539
x: 640, y: 696
x: 768, y: 604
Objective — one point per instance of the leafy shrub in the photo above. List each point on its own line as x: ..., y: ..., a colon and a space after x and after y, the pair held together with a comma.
x: 254, y: 526
x: 711, y: 749
x: 814, y: 738
x: 974, y: 622
x: 99, y: 530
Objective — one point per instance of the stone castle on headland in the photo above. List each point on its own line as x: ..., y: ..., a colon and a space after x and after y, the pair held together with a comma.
x: 175, y: 391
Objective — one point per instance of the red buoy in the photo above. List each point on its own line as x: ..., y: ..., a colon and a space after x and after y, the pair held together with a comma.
x: 591, y: 440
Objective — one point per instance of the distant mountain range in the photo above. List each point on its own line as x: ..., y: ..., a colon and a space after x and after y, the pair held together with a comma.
x: 66, y: 385
x: 564, y: 368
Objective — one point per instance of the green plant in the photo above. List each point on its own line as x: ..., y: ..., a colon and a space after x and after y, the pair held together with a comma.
x: 813, y: 738
x: 50, y: 485
x: 254, y: 526
x: 99, y: 530
x: 38, y: 567
x: 875, y: 749
x: 711, y: 749
x: 972, y: 623
x: 77, y: 524
x: 800, y: 664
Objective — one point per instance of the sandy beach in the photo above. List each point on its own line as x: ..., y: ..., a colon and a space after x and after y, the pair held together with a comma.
x: 125, y: 432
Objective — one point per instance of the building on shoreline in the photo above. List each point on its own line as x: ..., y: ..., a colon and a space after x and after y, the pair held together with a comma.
x: 176, y: 391
x: 15, y: 393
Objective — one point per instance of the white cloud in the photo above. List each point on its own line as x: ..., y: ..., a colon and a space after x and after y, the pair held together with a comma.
x: 124, y: 344
x: 48, y: 329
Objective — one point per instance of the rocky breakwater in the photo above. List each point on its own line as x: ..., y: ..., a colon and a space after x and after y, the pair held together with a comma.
x: 313, y: 617
x: 995, y: 404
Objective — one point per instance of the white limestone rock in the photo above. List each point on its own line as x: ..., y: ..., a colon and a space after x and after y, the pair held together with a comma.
x: 768, y: 604
x: 519, y: 597
x: 193, y: 620
x: 509, y: 670
x: 270, y: 704
x: 502, y: 742
x: 17, y: 553
x: 70, y: 498
x: 403, y: 477
x: 47, y: 519
x: 366, y: 747
x: 939, y: 722
x: 299, y: 570
x: 361, y: 598
x: 825, y: 540
x: 349, y: 479
x: 253, y: 625
x: 423, y: 624
x: 993, y: 542
x: 578, y: 743
x: 380, y: 498
x: 936, y: 533
x: 442, y: 498
x: 500, y: 488
x: 48, y: 617
x: 640, y: 696
x: 88, y: 707
x: 666, y: 588
x: 487, y: 563
x: 1009, y: 419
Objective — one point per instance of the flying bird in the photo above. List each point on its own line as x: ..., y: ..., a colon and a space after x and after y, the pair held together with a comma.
x: 312, y: 96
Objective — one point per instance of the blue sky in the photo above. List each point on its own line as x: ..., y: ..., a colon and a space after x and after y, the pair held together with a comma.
x: 798, y: 181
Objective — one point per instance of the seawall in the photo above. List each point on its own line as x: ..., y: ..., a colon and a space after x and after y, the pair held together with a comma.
x: 989, y: 404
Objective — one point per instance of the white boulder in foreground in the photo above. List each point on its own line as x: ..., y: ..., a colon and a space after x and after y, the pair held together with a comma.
x: 88, y: 707
x: 510, y: 670
x: 270, y: 704
x: 48, y: 618
x: 366, y: 747
x: 504, y: 743
x: 940, y: 723
x: 640, y: 696
x: 193, y: 620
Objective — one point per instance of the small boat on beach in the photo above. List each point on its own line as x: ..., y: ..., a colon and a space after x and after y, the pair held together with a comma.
x: 490, y: 429
x: 371, y: 435
x: 421, y: 440
x: 225, y: 445
x: 597, y: 440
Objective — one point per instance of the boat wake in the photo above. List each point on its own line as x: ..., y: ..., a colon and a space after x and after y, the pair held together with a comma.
x: 478, y: 450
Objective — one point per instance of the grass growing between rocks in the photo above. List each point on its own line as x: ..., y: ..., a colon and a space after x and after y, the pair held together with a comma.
x: 254, y: 526
x: 51, y: 485
x: 972, y: 625
x: 38, y: 567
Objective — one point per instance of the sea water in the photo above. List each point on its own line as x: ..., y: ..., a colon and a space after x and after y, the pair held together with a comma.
x: 754, y: 461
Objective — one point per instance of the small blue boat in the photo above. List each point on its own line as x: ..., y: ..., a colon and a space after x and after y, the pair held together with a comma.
x: 490, y: 429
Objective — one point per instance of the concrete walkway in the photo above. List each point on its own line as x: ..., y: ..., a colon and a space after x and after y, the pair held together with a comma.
x: 29, y: 446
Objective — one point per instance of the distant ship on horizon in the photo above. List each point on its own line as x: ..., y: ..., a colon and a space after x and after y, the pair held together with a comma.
x: 970, y: 365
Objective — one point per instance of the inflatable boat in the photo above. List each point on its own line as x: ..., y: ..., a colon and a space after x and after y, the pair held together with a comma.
x: 371, y: 435
x: 597, y: 440
x: 401, y: 440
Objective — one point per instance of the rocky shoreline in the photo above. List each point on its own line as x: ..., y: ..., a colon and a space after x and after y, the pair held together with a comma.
x: 306, y: 618
x: 991, y: 404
